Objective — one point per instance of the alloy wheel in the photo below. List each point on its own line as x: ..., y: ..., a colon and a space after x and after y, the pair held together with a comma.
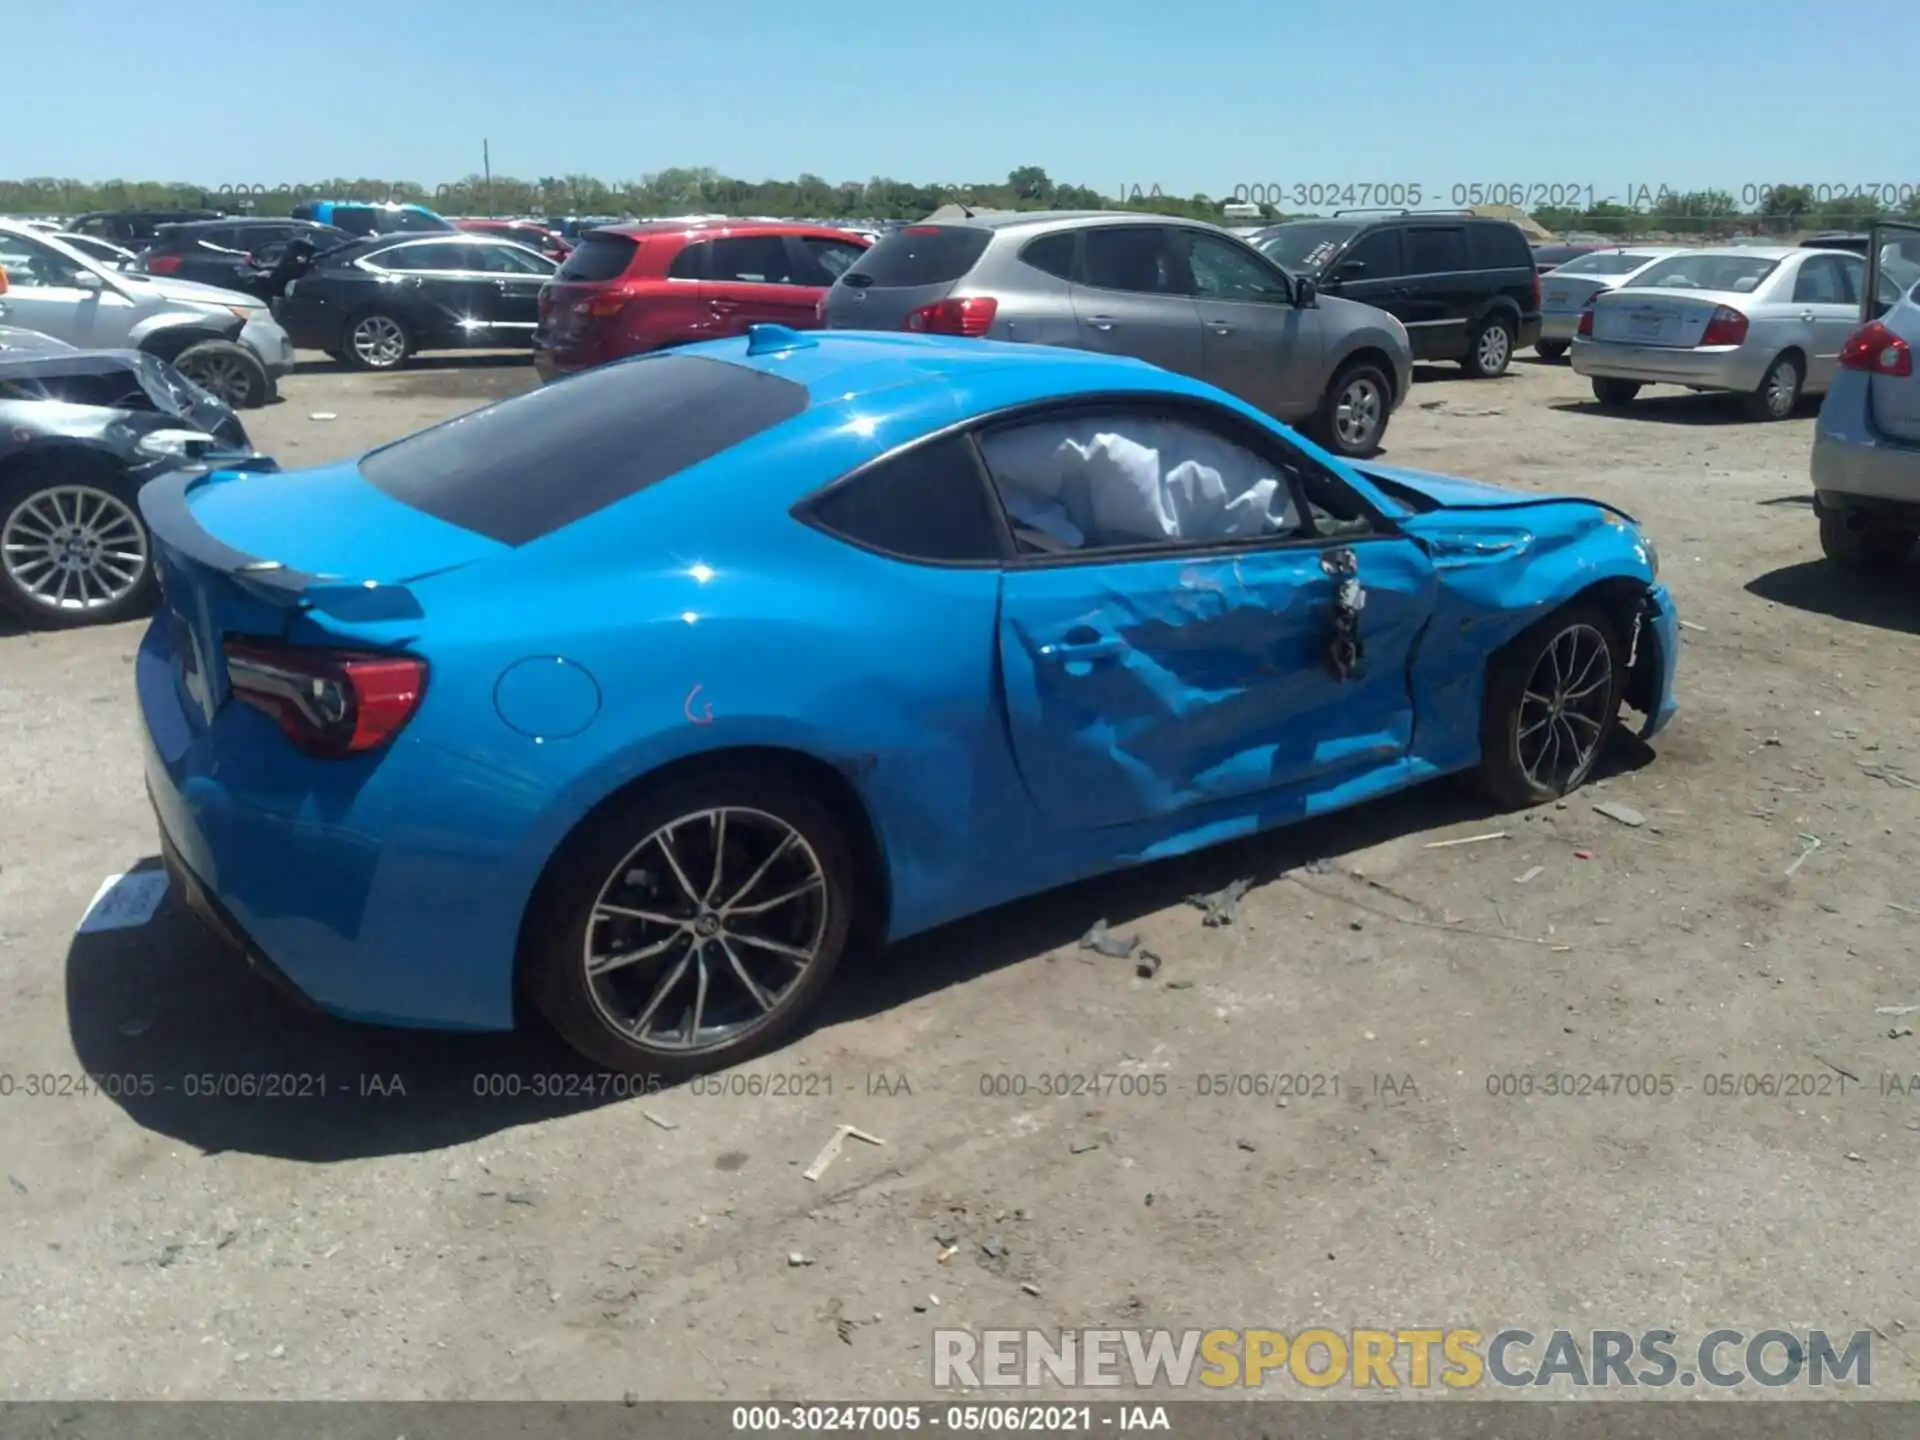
x: 1493, y: 349
x: 224, y: 377
x: 1563, y: 710
x: 379, y: 342
x: 1782, y: 389
x: 705, y: 929
x: 1357, y: 411
x: 74, y: 548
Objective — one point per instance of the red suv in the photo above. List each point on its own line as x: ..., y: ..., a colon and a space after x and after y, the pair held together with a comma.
x: 631, y: 288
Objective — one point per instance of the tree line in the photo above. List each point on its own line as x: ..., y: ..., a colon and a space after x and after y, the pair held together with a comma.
x: 1706, y: 213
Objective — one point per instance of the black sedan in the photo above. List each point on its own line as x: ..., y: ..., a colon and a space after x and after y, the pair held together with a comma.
x: 378, y: 302
x: 232, y: 253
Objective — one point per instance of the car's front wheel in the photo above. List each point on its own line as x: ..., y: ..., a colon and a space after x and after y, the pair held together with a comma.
x: 1552, y: 705
x: 73, y: 549
x: 693, y: 926
x: 377, y: 341
x: 1871, y: 546
x: 1353, y: 415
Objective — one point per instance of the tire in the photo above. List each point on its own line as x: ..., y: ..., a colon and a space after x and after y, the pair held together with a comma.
x: 376, y: 340
x: 1779, y: 392
x: 1563, y: 644
x: 1550, y: 349
x: 50, y: 500
x: 617, y: 860
x: 227, y: 370
x: 1615, y: 394
x: 1491, y: 350
x: 1353, y: 414
x: 1875, y: 548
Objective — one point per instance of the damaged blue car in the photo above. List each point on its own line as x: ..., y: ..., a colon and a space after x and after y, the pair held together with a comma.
x: 644, y: 697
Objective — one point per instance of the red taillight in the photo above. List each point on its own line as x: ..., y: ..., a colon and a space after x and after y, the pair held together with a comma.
x: 971, y: 317
x: 1877, y: 350
x: 1726, y: 326
x: 602, y: 306
x: 163, y: 264
x: 1586, y: 318
x: 330, y: 703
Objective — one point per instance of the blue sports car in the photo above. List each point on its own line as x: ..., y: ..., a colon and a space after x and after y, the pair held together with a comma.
x: 646, y: 695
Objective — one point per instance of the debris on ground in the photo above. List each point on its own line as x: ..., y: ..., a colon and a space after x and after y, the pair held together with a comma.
x: 993, y: 1247
x: 1812, y: 844
x: 1625, y: 814
x: 946, y: 1239
x: 796, y: 1259
x: 1856, y: 1156
x: 521, y: 1197
x: 323, y: 415
x: 1319, y: 867
x: 1882, y: 771
x: 1081, y: 1147
x: 1690, y: 625
x: 1245, y: 1144
x: 946, y: 1255
x: 1899, y: 1032
x: 662, y: 1122
x: 1222, y: 906
x: 1466, y: 840
x: 17, y: 1184
x: 831, y: 1150
x: 1030, y: 1288
x: 1896, y: 1009
x: 1530, y: 875
x: 1146, y: 965
x: 1179, y: 984
x: 1103, y: 941
x: 1583, y: 854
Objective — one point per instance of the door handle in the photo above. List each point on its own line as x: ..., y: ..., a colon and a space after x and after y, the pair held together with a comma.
x: 1101, y: 322
x: 724, y: 307
x: 1078, y: 645
x: 1220, y: 329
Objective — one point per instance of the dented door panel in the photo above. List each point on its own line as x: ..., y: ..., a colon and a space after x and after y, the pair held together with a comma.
x: 1140, y: 687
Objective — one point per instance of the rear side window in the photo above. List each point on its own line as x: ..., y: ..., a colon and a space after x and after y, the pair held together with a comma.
x: 537, y: 463
x: 922, y: 255
x: 599, y: 257
x: 825, y: 261
x: 927, y: 504
x: 1496, y: 246
x: 1051, y: 254
x: 1437, y: 249
x: 751, y: 260
x: 1134, y: 258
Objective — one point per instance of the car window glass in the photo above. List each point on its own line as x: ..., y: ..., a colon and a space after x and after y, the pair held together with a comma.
x: 1051, y: 254
x: 691, y: 262
x: 1819, y: 282
x: 1378, y: 252
x: 1853, y: 278
x: 509, y: 260
x: 1130, y: 480
x: 411, y: 221
x: 1136, y: 258
x: 355, y: 219
x: 221, y: 237
x: 1706, y: 270
x: 1496, y: 245
x: 1435, y: 249
x: 1223, y: 271
x: 833, y: 257
x: 430, y: 257
x: 928, y: 504
x: 31, y: 266
x: 751, y: 260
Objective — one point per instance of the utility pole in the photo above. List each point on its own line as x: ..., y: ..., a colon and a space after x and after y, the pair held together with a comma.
x: 486, y: 165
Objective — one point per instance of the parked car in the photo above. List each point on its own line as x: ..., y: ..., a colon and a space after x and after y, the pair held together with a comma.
x: 1566, y: 289
x: 640, y: 287
x: 530, y: 233
x: 1177, y: 293
x: 572, y: 228
x: 134, y: 229
x: 1094, y: 613
x: 376, y: 303
x: 223, y: 341
x: 1899, y: 256
x: 1548, y: 258
x: 80, y: 432
x: 1763, y: 322
x: 364, y: 218
x: 105, y: 251
x: 1465, y: 286
x: 231, y: 253
x: 1866, y: 443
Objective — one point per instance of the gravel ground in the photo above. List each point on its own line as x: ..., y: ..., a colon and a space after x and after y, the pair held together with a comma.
x: 408, y: 1237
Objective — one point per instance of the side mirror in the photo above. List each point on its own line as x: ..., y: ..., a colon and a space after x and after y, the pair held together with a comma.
x: 87, y: 280
x: 1305, y: 292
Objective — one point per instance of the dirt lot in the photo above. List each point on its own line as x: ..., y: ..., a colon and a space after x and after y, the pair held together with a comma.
x: 441, y: 1243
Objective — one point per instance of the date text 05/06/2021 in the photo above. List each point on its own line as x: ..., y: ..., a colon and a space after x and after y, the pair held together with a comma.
x: 1653, y: 199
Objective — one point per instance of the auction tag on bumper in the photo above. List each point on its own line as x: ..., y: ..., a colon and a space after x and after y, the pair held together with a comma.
x: 124, y: 902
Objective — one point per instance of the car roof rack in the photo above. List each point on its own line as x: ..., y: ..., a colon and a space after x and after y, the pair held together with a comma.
x: 1403, y: 210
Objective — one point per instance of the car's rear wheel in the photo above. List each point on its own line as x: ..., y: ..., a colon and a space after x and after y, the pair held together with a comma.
x: 1615, y: 394
x: 1550, y: 349
x: 377, y: 341
x: 1779, y: 393
x: 1552, y: 705
x: 1865, y: 545
x: 693, y: 926
x: 73, y: 549
x: 1353, y: 416
x: 1492, y: 349
x: 231, y: 372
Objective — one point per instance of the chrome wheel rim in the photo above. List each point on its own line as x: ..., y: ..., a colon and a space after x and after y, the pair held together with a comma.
x: 1563, y: 710
x: 225, y: 377
x: 74, y: 548
x: 1783, y: 388
x: 1356, y: 414
x: 379, y: 342
x: 704, y: 931
x: 1493, y: 347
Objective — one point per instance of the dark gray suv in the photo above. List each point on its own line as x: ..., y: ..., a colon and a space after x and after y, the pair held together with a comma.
x: 1180, y: 294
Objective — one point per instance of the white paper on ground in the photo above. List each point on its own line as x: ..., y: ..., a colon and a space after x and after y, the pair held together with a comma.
x: 124, y: 901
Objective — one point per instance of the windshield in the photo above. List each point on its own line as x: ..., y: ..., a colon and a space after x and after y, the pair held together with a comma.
x: 1622, y: 262
x: 1707, y: 271
x: 1305, y: 244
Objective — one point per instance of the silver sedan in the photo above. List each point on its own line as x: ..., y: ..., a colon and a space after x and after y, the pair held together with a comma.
x: 1762, y: 322
x: 1566, y: 289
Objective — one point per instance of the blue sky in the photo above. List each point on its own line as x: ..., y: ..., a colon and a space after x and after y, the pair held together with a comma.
x: 1192, y: 95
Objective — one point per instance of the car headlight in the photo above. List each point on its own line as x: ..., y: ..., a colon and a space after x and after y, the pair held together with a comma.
x: 1652, y: 552
x: 175, y: 444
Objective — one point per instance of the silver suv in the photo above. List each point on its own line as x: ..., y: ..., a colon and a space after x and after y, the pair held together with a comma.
x: 225, y: 342
x: 1182, y: 295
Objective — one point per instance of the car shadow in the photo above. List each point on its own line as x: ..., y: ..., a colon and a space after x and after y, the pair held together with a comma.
x: 194, y: 1046
x: 1427, y: 372
x: 1821, y: 588
x: 1687, y: 409
x: 315, y: 364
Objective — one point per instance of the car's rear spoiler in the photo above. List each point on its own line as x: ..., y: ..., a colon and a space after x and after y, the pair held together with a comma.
x: 165, y: 504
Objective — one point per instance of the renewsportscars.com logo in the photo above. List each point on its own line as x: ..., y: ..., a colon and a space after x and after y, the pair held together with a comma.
x: 1390, y: 1359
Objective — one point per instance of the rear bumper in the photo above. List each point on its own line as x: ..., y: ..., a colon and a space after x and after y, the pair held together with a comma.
x: 1733, y: 368
x: 1561, y: 326
x: 1852, y: 462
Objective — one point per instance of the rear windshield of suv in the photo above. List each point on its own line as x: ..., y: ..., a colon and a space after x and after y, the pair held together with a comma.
x: 536, y: 463
x: 1305, y: 245
x: 599, y: 257
x: 1619, y: 263
x: 920, y: 255
x: 1706, y: 272
x: 1498, y: 245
